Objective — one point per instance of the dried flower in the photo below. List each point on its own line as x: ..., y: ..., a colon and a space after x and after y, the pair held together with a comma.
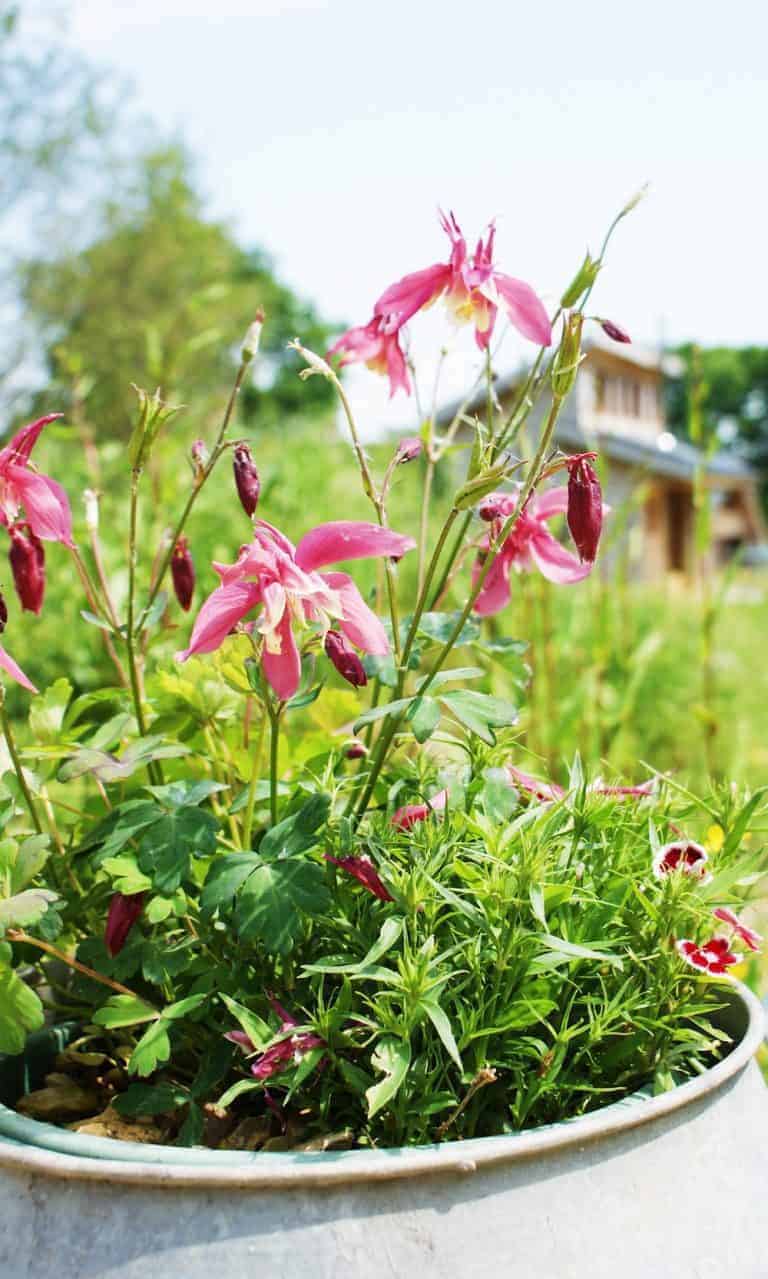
x: 345, y: 659
x: 714, y: 956
x: 27, y: 559
x: 123, y: 913
x: 363, y: 870
x: 585, y: 506
x: 684, y: 856
x: 200, y: 457
x: 247, y: 479
x: 183, y: 573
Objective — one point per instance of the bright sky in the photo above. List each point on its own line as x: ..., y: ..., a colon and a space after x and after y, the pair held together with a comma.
x: 328, y: 133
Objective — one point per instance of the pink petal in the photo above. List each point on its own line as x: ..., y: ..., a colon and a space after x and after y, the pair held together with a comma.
x: 525, y: 309
x: 45, y: 503
x: 483, y: 335
x: 283, y: 669
x: 414, y: 291
x: 358, y: 623
x: 550, y: 503
x: 226, y: 606
x: 496, y: 592
x: 535, y: 785
x: 15, y: 671
x: 397, y: 369
x: 554, y: 561
x: 349, y: 540
x: 407, y: 816
x: 21, y: 445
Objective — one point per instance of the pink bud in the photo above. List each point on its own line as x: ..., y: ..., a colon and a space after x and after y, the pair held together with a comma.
x: 246, y: 478
x: 585, y: 506
x: 355, y: 750
x: 183, y: 573
x: 408, y: 448
x: 345, y: 659
x: 27, y: 559
x: 200, y: 456
x: 493, y: 507
x: 123, y: 913
x: 613, y: 331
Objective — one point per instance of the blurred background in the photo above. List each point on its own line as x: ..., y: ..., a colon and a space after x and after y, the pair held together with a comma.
x: 167, y: 167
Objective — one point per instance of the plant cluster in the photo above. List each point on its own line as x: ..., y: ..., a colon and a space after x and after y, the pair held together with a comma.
x: 406, y: 937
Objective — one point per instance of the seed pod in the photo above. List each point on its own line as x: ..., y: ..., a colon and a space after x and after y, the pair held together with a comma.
x: 345, y: 659
x: 247, y: 479
x: 27, y: 559
x: 585, y: 507
x: 583, y: 280
x: 566, y: 362
x: 123, y: 913
x: 183, y: 573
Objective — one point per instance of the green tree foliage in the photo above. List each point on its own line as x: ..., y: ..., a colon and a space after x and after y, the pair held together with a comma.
x: 160, y: 297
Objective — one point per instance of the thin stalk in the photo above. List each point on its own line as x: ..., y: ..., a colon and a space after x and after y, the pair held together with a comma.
x: 255, y: 770
x: 18, y: 935
x: 15, y: 760
x: 426, y: 497
x: 92, y: 597
x: 274, y: 742
x: 216, y: 452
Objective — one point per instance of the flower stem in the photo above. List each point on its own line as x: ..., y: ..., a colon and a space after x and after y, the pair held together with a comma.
x: 18, y: 935
x: 255, y: 770
x: 14, y: 754
x: 274, y: 742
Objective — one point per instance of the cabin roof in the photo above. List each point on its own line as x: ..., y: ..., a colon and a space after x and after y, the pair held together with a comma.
x: 678, y: 461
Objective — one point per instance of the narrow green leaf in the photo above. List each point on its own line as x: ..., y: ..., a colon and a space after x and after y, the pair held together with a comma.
x: 391, y: 1057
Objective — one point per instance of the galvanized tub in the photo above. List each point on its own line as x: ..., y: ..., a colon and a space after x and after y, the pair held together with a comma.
x: 672, y: 1187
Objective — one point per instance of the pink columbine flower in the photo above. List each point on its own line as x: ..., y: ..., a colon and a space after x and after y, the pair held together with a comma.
x: 45, y: 503
x: 282, y: 578
x: 474, y: 290
x: 714, y: 956
x: 123, y: 913
x: 547, y: 792
x: 751, y: 939
x: 684, y: 856
x: 363, y: 870
x: 378, y: 347
x: 407, y: 816
x: 529, y: 544
x: 287, y: 1050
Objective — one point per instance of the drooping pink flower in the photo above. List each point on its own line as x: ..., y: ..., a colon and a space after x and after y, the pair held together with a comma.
x: 474, y: 290
x: 123, y: 913
x: 683, y: 855
x: 282, y: 578
x: 45, y: 503
x: 378, y: 347
x: 545, y: 791
x: 407, y: 816
x: 363, y: 870
x: 529, y: 544
x: 27, y: 559
x: 714, y: 956
x: 286, y: 1050
x: 751, y: 939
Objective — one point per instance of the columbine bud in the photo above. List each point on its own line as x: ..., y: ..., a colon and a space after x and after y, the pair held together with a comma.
x: 566, y: 362
x: 493, y: 507
x: 28, y: 567
x: 345, y: 659
x: 246, y: 478
x: 613, y: 331
x: 3, y: 613
x: 253, y: 337
x: 585, y: 506
x: 408, y: 449
x: 355, y: 750
x: 91, y: 503
x: 123, y: 913
x: 583, y: 280
x: 183, y: 573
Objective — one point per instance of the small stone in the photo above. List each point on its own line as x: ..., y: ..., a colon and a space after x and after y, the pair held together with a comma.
x: 250, y: 1134
x: 342, y: 1140
x: 61, y: 1099
x: 110, y: 1124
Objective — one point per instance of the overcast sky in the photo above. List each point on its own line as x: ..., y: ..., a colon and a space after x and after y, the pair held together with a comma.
x: 328, y: 133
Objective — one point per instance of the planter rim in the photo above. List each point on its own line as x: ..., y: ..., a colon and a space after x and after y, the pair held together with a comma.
x: 32, y: 1147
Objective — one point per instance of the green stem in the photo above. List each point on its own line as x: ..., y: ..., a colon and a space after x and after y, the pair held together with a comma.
x: 15, y: 760
x: 255, y: 770
x: 274, y: 742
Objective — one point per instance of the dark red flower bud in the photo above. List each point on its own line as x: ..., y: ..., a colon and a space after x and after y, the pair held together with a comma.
x: 345, y: 659
x: 183, y: 573
x: 3, y: 613
x: 355, y: 750
x: 28, y: 567
x: 585, y: 506
x: 123, y: 913
x: 613, y: 331
x: 363, y: 870
x: 246, y: 478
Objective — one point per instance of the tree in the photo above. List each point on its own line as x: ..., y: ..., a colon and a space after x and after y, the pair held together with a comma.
x: 161, y: 297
